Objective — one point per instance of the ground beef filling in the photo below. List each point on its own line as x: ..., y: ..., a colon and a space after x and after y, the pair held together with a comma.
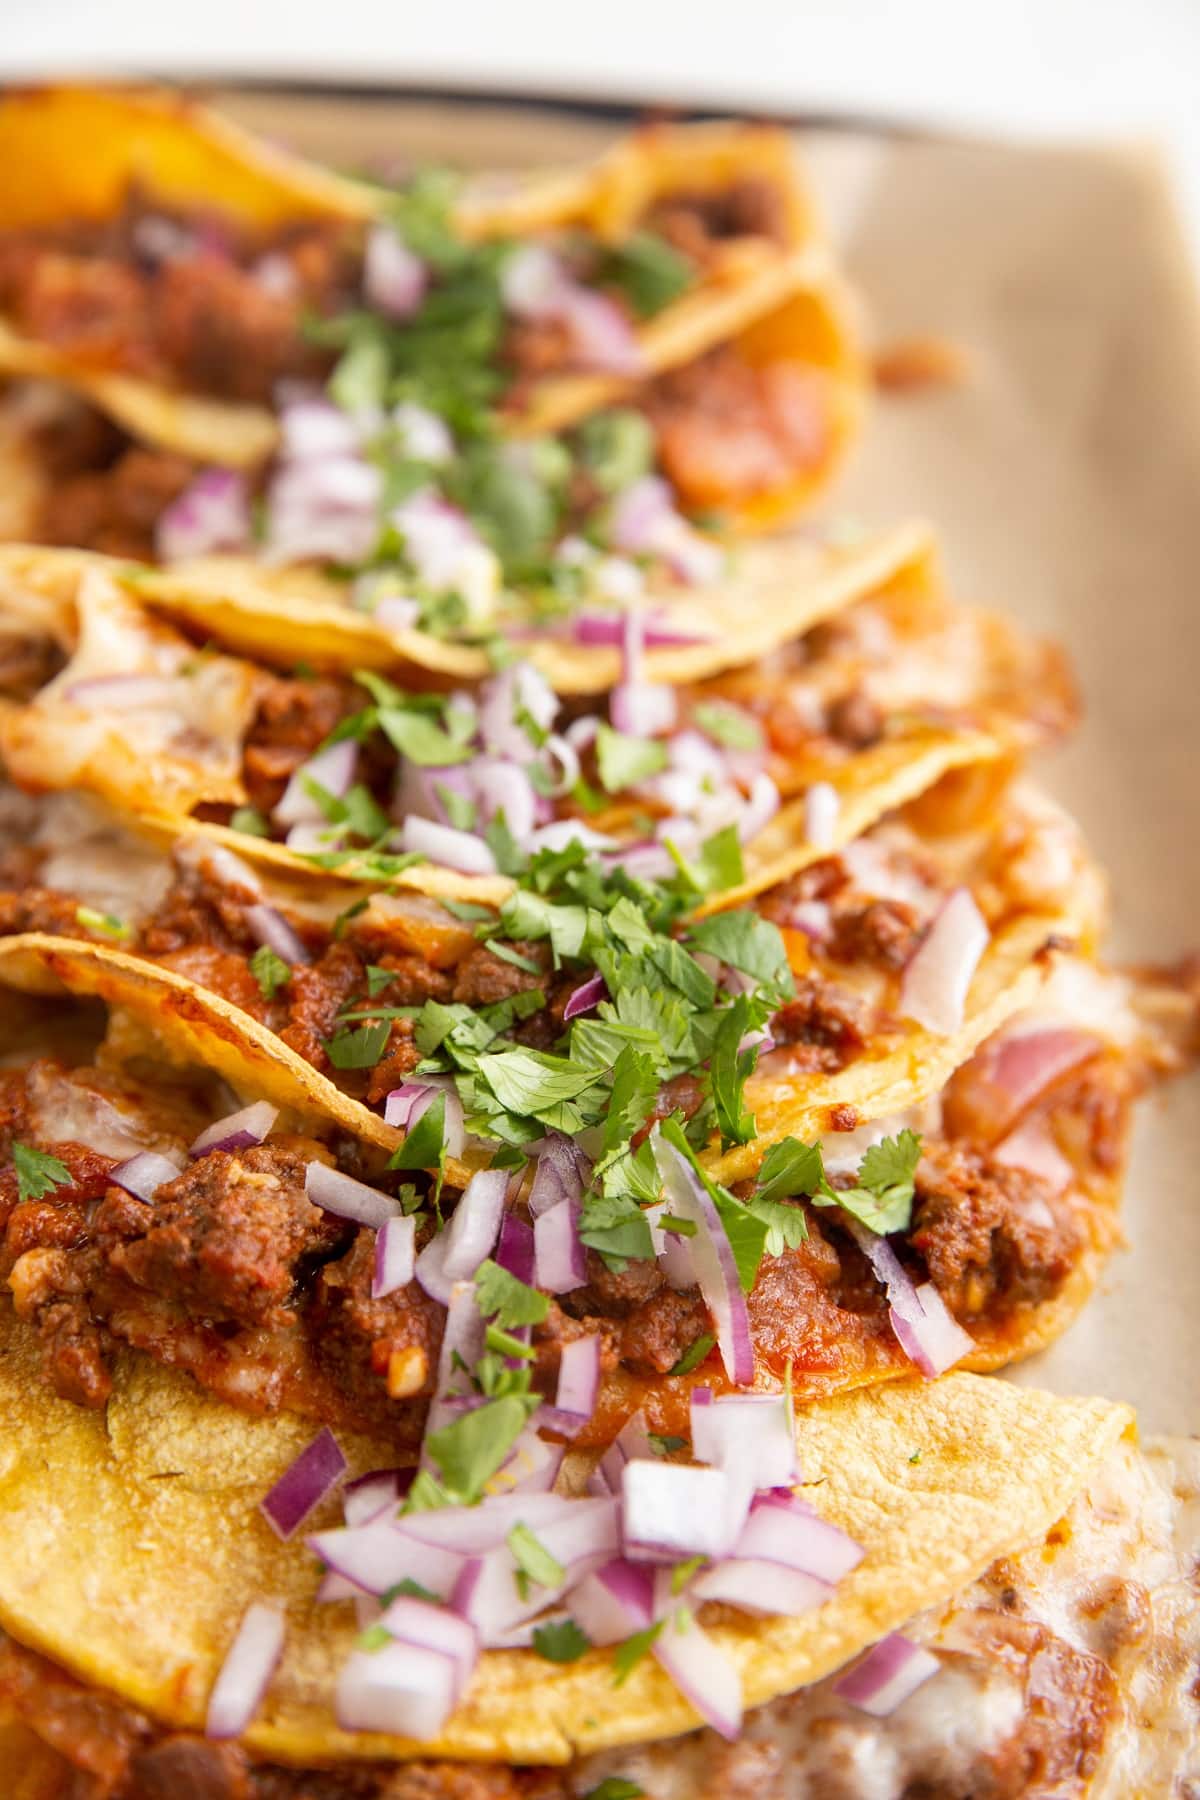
x: 207, y: 315
x: 729, y: 433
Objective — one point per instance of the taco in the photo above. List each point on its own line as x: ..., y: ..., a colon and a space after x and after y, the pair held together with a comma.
x: 869, y: 706
x: 1005, y: 1555
x: 549, y: 1036
x: 447, y: 398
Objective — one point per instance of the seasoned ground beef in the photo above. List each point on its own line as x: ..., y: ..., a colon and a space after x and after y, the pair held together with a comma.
x: 294, y: 717
x: 482, y: 977
x: 985, y: 1233
x: 115, y: 508
x: 201, y: 320
x: 698, y: 224
x: 728, y: 432
x: 856, y: 721
x: 828, y: 1024
x: 380, y: 1354
x: 39, y: 909
x: 882, y: 934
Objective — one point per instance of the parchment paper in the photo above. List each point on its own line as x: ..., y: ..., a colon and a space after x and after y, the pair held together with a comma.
x: 1064, y: 478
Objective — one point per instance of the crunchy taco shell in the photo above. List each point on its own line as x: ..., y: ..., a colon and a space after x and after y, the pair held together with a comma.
x: 168, y: 1566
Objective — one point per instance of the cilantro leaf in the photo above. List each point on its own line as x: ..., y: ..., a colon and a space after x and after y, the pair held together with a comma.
x: 728, y: 1070
x: 786, y: 1226
x: 615, y: 1787
x: 471, y: 1449
x: 560, y: 1641
x: 694, y: 1355
x: 533, y: 1559
x: 789, y: 1168
x: 747, y: 1234
x: 425, y: 1145
x: 751, y: 945
x: 249, y: 820
x: 883, y: 1195
x: 623, y: 761
x: 420, y: 738
x: 506, y: 1300
x: 649, y: 271
x: 664, y: 1446
x: 729, y: 725
x: 105, y: 924
x: 616, y: 1228
x: 37, y: 1172
x: 534, y: 1084
x: 270, y: 971
x: 628, y: 1655
x: 359, y: 1049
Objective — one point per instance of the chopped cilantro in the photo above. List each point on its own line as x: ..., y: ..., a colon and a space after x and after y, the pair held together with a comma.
x: 628, y: 1655
x: 617, y: 447
x: 409, y: 1589
x: 616, y: 1228
x: 378, y: 979
x: 460, y: 811
x: 375, y: 1637
x: 751, y: 945
x: 682, y: 1573
x: 649, y: 271
x: 915, y: 1457
x: 359, y: 1049
x: 533, y: 1559
x: 248, y: 819
x: 471, y: 1449
x: 615, y: 1787
x: 693, y: 1356
x: 505, y: 1300
x: 503, y: 1343
x: 510, y: 954
x: 37, y: 1172
x: 421, y: 739
x: 270, y: 971
x: 789, y: 1168
x: 560, y: 1641
x: 425, y: 1145
x: 729, y: 725
x: 623, y: 761
x: 104, y: 923
x: 664, y: 1446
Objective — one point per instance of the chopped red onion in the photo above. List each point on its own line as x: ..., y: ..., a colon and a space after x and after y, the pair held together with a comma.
x: 439, y: 540
x: 378, y: 1555
x: 394, y: 279
x: 332, y: 769
x: 790, y: 1532
x: 399, y: 1689
x: 918, y: 1315
x: 639, y: 513
x: 585, y: 998
x: 315, y: 1472
x: 562, y: 832
x: 237, y: 1131
x: 396, y: 613
x: 470, y: 1530
x: 341, y: 1194
x: 936, y: 1341
x: 212, y: 513
x: 750, y: 1434
x: 614, y: 1602
x: 759, y: 1586
x: 312, y: 839
x: 335, y: 1587
x: 1032, y: 1147
x: 312, y: 429
x: 670, y: 1511
x: 532, y: 282
x: 423, y: 435
x: 269, y: 927
x: 938, y: 976
x: 326, y: 509
x: 460, y: 850
x: 1014, y: 1068
x: 705, y: 1675
x: 406, y: 1103
x: 462, y: 1346
x: 643, y: 708
x: 504, y: 787
x: 713, y: 1257
x: 821, y: 809
x: 607, y: 629
x: 514, y: 1250
x: 429, y: 1627
x: 372, y: 1495
x: 578, y: 1386
x: 633, y: 647
x: 631, y: 1444
x: 561, y: 750
x: 246, y: 1673
x: 813, y: 917
x: 562, y: 1173
x: 561, y: 1261
x: 760, y: 809
x: 395, y: 1255
x: 142, y: 1175
x: 518, y: 689
x: 602, y: 337
x: 457, y: 1251
x: 885, y: 1677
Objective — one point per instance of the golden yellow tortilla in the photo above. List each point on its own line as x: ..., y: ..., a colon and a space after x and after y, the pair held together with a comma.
x: 136, y: 1583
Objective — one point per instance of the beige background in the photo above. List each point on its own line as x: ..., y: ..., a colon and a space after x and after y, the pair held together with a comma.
x: 1065, y: 480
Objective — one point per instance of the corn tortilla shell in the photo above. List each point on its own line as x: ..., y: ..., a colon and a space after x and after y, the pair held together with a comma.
x: 130, y: 1544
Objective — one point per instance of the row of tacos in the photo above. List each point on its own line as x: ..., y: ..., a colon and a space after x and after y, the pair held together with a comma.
x: 511, y: 1109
